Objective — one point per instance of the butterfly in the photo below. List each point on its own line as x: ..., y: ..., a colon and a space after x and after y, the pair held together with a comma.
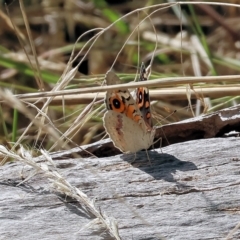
x: 128, y: 119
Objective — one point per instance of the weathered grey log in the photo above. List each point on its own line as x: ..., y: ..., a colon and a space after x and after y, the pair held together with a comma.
x: 215, y: 124
x: 191, y: 191
x: 212, y: 125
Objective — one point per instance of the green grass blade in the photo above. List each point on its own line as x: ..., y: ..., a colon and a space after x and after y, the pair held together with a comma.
x: 15, y: 125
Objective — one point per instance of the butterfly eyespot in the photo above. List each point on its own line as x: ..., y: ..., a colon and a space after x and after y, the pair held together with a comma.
x: 116, y: 103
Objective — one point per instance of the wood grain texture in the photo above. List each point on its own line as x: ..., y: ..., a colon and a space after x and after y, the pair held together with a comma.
x: 191, y: 191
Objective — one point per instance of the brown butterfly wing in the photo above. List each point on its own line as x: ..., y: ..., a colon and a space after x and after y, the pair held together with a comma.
x: 143, y: 98
x: 126, y: 135
x: 121, y: 101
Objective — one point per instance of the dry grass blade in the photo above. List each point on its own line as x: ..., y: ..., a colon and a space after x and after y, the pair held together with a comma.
x: 10, y: 25
x: 38, y: 77
x: 77, y: 123
x: 160, y: 94
x: 154, y: 83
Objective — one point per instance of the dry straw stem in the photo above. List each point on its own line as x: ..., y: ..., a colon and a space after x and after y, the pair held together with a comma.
x: 61, y: 185
x: 37, y: 72
x: 160, y: 94
x: 182, y: 3
x: 153, y: 83
x: 85, y: 115
x: 9, y: 24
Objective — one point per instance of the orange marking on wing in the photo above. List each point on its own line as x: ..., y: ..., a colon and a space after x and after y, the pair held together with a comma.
x: 129, y: 111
